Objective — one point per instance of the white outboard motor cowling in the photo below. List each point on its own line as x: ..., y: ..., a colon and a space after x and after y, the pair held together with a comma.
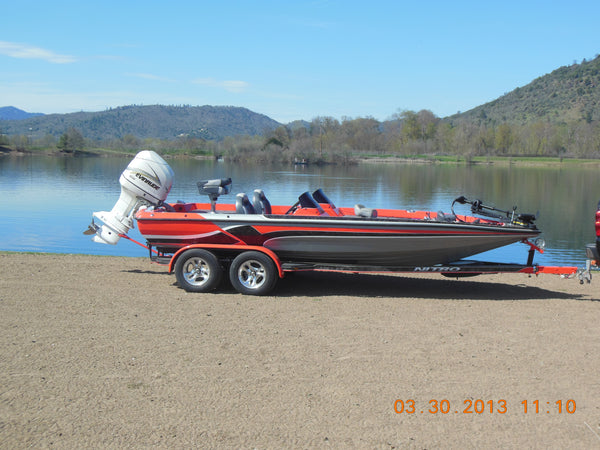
x: 147, y: 180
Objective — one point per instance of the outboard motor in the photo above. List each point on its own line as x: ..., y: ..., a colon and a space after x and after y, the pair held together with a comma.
x: 147, y: 180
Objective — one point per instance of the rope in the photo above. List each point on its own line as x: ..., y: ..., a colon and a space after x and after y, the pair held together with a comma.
x: 138, y: 243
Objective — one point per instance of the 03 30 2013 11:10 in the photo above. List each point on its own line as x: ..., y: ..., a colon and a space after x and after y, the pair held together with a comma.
x: 480, y: 406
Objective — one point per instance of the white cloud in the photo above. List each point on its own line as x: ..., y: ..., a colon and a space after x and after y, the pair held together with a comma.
x: 228, y: 85
x: 24, y: 51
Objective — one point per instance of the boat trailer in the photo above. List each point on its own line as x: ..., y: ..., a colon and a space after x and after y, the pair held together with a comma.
x: 226, y: 254
x: 463, y: 268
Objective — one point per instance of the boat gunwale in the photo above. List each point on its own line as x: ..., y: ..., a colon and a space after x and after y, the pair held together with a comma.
x: 269, y: 219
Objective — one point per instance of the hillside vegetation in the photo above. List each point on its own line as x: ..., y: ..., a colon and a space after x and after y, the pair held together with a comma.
x: 568, y: 94
x: 556, y: 115
x: 155, y: 121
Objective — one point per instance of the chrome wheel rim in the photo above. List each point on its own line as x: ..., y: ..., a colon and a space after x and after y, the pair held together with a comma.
x: 252, y: 274
x: 196, y: 272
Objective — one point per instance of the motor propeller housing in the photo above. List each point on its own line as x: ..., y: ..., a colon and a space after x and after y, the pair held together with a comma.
x: 147, y: 180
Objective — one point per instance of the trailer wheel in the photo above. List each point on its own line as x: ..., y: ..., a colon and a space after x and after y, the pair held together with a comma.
x: 253, y: 273
x: 198, y: 270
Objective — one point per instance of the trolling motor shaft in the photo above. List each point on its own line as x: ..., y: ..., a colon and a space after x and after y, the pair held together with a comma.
x: 477, y: 207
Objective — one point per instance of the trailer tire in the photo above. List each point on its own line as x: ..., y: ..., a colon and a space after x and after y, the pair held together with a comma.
x: 198, y: 270
x: 253, y: 273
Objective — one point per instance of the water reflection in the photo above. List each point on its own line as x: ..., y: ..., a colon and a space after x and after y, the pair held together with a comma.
x: 48, y: 201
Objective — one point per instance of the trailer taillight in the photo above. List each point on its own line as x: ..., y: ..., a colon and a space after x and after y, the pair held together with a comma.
x: 598, y: 221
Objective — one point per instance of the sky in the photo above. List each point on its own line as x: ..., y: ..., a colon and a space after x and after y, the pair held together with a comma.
x: 288, y: 59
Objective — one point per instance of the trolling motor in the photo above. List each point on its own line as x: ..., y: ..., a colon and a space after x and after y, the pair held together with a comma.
x: 478, y: 208
x: 147, y: 180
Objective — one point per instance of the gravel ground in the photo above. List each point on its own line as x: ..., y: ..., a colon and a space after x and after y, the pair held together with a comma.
x: 109, y: 352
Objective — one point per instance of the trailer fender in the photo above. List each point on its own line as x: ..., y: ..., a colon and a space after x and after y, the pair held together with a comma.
x: 230, y: 249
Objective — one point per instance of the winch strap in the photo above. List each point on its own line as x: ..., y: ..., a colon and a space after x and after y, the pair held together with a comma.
x: 138, y: 243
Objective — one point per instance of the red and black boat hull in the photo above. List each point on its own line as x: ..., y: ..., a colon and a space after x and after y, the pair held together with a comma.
x: 345, y: 240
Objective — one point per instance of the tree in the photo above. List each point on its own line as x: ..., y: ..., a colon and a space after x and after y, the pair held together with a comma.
x: 70, y: 142
x: 324, y: 131
x: 130, y: 142
x: 3, y: 138
x: 411, y: 129
x: 279, y: 137
x: 362, y: 134
x: 503, y: 138
x: 20, y: 142
x: 428, y: 122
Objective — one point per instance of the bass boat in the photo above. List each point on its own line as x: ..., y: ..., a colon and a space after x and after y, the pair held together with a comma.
x: 315, y: 231
x: 257, y: 242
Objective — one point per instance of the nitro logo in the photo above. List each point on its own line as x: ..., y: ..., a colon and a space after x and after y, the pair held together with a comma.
x: 146, y: 180
x: 437, y: 269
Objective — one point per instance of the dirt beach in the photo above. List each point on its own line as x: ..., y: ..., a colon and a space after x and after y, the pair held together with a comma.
x: 109, y: 352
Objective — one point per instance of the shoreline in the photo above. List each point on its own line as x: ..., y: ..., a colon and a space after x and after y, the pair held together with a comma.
x: 521, y: 161
x: 110, y: 352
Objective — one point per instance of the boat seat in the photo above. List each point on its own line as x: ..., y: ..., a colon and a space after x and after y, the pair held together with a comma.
x: 307, y: 201
x: 326, y: 203
x: 320, y: 197
x: 260, y: 202
x: 214, y: 188
x: 362, y: 211
x: 443, y: 217
x: 243, y: 205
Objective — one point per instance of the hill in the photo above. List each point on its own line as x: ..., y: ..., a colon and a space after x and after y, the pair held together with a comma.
x: 155, y: 121
x: 568, y: 94
x: 12, y: 113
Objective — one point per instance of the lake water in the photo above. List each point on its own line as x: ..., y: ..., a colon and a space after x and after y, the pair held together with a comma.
x: 48, y: 201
